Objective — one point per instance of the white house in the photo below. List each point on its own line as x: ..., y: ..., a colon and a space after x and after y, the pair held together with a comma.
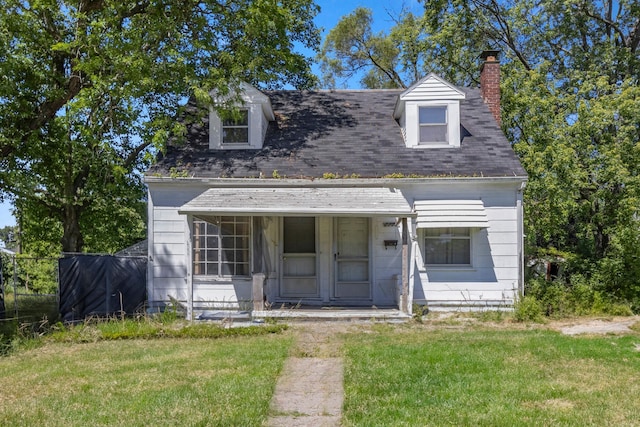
x: 344, y: 198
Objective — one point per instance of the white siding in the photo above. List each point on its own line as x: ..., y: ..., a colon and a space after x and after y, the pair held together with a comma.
x: 432, y: 88
x: 493, y: 277
x: 387, y: 262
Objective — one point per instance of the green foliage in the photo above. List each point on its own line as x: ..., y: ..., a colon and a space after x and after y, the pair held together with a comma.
x: 90, y: 90
x: 37, y: 275
x: 528, y: 309
x: 151, y: 328
x: 576, y: 298
x: 419, y: 311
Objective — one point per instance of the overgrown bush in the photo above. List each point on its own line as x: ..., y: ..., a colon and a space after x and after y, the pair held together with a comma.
x: 528, y: 309
x: 573, y: 298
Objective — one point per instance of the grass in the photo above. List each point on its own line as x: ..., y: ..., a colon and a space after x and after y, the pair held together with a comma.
x: 416, y: 377
x: 167, y: 372
x: 187, y: 381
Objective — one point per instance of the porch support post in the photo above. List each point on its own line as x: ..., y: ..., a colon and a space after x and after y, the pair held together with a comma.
x: 404, y: 301
x: 189, y: 278
x: 257, y: 292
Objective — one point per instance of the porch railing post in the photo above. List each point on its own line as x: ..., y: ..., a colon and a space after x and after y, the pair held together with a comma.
x: 257, y: 292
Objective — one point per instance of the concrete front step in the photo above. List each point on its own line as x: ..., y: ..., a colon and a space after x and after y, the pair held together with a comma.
x: 324, y: 314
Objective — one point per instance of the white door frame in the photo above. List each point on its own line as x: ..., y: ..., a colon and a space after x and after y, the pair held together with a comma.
x: 356, y: 300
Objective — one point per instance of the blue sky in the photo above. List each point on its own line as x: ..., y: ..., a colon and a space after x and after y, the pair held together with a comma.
x: 330, y: 13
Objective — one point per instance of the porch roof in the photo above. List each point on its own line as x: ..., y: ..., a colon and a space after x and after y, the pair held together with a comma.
x: 451, y: 214
x: 343, y: 201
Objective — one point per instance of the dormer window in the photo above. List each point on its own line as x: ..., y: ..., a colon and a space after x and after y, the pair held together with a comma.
x: 433, y: 125
x: 246, y: 128
x: 429, y: 114
x: 236, y: 130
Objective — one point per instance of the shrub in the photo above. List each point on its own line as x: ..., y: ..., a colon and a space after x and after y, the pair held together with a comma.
x: 528, y: 309
x: 577, y: 297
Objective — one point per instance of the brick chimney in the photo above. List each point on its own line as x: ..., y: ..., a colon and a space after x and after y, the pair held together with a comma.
x: 490, y: 81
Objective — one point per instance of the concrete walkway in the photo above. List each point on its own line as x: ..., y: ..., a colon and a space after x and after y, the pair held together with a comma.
x: 310, y: 390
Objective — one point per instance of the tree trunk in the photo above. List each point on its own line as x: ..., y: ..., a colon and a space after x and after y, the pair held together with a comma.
x: 72, y: 240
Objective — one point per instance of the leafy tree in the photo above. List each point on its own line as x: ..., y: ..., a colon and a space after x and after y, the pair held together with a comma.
x: 570, y: 97
x: 89, y: 90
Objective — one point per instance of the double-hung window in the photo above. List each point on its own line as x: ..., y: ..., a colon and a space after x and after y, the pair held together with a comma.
x: 235, y: 130
x: 447, y: 246
x: 221, y: 246
x: 433, y: 125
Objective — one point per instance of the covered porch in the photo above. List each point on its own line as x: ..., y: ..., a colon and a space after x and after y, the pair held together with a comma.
x: 314, y: 252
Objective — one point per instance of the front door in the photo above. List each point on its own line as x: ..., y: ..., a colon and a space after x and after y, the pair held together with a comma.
x: 352, y: 259
x: 299, y: 264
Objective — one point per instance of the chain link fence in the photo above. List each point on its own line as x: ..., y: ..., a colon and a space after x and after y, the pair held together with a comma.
x: 28, y: 291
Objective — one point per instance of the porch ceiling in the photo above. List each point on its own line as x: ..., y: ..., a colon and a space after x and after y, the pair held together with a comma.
x: 343, y: 201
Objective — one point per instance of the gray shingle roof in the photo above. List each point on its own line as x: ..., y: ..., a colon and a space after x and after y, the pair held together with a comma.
x: 348, y: 132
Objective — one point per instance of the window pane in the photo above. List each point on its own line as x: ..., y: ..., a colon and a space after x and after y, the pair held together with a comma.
x: 447, y: 246
x: 433, y: 133
x: 212, y: 269
x: 460, y: 253
x: 212, y: 242
x: 299, y: 235
x: 235, y: 135
x: 242, y: 228
x: 242, y: 256
x: 242, y: 242
x: 433, y: 115
x: 242, y: 120
x: 219, y: 249
x: 242, y: 269
x: 228, y: 242
x: 212, y: 256
x: 227, y: 269
x: 436, y: 251
x: 227, y: 229
x: 212, y: 229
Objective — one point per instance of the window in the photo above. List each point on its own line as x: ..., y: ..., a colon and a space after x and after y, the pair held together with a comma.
x: 221, y: 246
x: 236, y: 130
x: 447, y: 246
x: 433, y: 125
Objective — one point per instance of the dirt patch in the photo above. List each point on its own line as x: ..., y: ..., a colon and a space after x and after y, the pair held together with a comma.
x: 616, y: 325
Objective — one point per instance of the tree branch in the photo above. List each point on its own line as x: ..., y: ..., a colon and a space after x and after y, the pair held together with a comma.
x: 609, y: 23
x: 133, y: 156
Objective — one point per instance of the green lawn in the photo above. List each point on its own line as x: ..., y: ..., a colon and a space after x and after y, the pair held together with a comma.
x: 417, y: 377
x: 402, y: 375
x: 194, y: 382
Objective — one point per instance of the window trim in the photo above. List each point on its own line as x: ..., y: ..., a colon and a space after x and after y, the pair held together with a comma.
x: 444, y: 124
x: 410, y: 122
x: 423, y: 243
x: 246, y: 126
x: 220, y: 248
